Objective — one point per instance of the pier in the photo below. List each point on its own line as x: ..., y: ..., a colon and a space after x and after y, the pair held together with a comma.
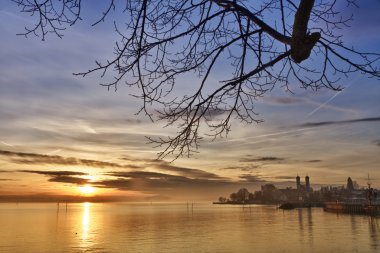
x: 352, y: 208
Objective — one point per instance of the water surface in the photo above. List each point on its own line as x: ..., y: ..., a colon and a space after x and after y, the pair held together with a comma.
x: 120, y: 227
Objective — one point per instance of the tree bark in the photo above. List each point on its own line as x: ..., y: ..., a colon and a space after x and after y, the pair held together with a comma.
x: 303, y: 42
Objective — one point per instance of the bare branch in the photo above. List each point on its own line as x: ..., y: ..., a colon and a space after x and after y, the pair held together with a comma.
x: 234, y: 41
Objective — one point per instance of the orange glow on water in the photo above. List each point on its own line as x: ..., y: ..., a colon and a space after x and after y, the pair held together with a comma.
x: 85, y: 221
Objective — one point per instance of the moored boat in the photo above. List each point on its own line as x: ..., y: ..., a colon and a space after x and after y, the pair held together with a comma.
x: 353, y: 208
x: 367, y: 206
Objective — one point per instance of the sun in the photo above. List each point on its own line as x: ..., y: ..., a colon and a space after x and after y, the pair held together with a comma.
x: 87, y: 189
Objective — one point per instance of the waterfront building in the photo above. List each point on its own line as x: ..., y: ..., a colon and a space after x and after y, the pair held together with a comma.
x: 298, y: 181
x: 307, y: 181
x: 350, y: 185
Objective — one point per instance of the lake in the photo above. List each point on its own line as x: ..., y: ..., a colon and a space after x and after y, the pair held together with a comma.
x: 158, y: 227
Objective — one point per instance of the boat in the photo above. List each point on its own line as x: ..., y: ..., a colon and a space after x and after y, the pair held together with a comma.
x: 368, y: 206
x: 352, y: 208
x: 287, y: 206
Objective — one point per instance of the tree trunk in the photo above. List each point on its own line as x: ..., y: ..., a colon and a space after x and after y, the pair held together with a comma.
x: 302, y: 42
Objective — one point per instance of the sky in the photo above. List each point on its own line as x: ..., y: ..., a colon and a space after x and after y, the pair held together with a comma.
x: 59, y: 132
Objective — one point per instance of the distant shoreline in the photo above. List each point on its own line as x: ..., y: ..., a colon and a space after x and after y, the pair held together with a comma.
x: 286, y: 205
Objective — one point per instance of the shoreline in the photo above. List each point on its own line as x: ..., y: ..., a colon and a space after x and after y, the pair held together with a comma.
x: 286, y: 205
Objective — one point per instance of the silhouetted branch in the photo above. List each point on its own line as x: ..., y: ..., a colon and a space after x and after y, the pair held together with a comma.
x: 161, y: 41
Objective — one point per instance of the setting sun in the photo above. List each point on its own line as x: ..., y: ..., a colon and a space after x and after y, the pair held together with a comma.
x: 86, y: 189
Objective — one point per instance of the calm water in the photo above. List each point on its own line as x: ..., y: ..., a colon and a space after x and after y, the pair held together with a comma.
x: 173, y: 228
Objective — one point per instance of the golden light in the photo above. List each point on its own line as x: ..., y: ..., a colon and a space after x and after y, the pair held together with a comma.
x: 87, y: 189
x: 86, y: 220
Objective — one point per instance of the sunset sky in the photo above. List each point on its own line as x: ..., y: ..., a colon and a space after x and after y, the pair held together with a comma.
x: 59, y: 132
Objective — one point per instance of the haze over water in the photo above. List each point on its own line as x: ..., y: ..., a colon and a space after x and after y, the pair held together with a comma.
x: 118, y: 227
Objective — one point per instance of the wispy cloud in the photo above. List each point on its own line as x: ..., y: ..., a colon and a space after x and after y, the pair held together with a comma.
x: 143, y: 174
x: 35, y: 158
x: 250, y: 167
x: 6, y: 144
x: 70, y: 177
x: 285, y: 100
x: 85, y: 127
x: 55, y: 173
x: 252, y: 178
x: 284, y: 177
x: 328, y: 123
x: 158, y: 182
x: 41, y: 197
x: 276, y: 100
x: 6, y: 171
x: 69, y: 180
x: 188, y: 172
x: 262, y: 159
x: 314, y: 161
x: 264, y: 136
x: 54, y: 151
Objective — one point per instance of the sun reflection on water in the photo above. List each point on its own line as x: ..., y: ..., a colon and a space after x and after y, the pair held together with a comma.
x: 86, y: 221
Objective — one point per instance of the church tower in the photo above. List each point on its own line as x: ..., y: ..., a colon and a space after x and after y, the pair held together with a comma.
x: 307, y: 180
x: 298, y: 180
x: 350, y: 184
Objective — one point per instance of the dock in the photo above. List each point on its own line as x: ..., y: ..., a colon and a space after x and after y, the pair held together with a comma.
x: 352, y: 208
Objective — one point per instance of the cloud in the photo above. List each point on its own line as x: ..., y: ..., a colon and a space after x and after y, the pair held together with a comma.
x: 252, y: 178
x: 6, y: 171
x: 209, y: 112
x: 133, y: 121
x: 157, y: 198
x: 120, y: 183
x: 158, y: 182
x: 169, y: 184
x: 142, y: 174
x: 61, y: 176
x: 68, y: 179
x: 6, y: 144
x: 55, y: 173
x: 34, y: 158
x: 183, y: 171
x: 285, y: 100
x: 276, y: 100
x: 61, y: 198
x: 314, y: 161
x: 134, y: 159
x: 242, y: 168
x: 7, y: 179
x: 328, y: 123
x: 133, y: 166
x: 262, y: 159
x: 285, y: 177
